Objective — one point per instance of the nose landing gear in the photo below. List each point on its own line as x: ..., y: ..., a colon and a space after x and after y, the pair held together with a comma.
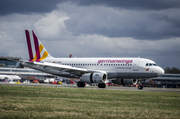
x: 140, y: 87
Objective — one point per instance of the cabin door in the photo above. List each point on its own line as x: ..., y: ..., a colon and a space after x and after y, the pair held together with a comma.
x: 136, y: 65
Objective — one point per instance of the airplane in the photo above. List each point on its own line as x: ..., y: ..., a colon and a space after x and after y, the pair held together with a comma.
x: 10, y: 78
x: 120, y: 70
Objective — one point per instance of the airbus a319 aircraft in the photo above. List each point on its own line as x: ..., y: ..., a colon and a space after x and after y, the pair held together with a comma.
x: 122, y: 70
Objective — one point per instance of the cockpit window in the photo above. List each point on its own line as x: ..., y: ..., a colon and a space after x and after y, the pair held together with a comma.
x: 150, y: 64
x: 154, y: 64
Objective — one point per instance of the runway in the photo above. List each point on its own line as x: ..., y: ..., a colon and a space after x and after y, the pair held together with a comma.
x: 95, y: 87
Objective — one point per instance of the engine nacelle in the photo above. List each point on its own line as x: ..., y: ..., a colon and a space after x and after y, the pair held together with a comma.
x: 93, y: 77
x: 125, y: 81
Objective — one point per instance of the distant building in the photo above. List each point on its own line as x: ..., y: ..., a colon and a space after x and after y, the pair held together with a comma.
x: 10, y: 62
x: 168, y: 80
x: 12, y: 66
x: 25, y: 73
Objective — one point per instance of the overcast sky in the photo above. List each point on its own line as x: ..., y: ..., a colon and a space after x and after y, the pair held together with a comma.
x: 94, y: 28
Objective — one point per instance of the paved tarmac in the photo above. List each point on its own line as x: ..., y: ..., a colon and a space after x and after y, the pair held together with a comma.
x: 95, y: 87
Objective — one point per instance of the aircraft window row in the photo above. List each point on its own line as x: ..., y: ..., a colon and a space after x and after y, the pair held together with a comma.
x: 98, y: 64
x: 151, y: 64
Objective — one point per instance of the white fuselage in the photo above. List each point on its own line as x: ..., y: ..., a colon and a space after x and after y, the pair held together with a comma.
x: 129, y: 68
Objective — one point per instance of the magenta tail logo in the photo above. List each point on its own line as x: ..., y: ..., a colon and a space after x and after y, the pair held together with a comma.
x: 36, y: 50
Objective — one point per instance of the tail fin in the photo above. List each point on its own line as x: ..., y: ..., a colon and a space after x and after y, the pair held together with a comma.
x: 37, y: 52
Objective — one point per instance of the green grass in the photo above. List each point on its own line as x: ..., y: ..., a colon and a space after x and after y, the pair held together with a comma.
x: 18, y: 102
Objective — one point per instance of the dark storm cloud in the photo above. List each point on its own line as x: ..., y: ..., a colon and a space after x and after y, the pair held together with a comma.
x: 112, y: 22
x: 133, y: 4
x: 157, y: 25
x: 153, y: 24
x: 43, y: 6
x: 89, y: 28
x: 27, y: 6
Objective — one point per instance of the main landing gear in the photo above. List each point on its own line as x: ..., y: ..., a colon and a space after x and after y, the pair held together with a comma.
x: 81, y: 84
x: 101, y: 85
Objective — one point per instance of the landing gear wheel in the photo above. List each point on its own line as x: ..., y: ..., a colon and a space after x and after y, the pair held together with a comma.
x: 140, y: 87
x: 102, y: 85
x: 81, y: 84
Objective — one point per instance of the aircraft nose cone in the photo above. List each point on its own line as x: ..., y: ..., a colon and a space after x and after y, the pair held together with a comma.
x: 160, y: 71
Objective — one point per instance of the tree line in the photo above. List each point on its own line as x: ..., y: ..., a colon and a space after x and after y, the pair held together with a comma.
x: 172, y: 70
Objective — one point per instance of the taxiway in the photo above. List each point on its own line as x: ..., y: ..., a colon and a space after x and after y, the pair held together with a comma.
x: 95, y: 87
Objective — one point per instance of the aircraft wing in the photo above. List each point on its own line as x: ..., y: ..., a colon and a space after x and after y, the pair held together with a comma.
x: 60, y: 68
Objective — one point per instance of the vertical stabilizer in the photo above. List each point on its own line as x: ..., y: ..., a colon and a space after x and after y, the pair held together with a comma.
x: 37, y: 51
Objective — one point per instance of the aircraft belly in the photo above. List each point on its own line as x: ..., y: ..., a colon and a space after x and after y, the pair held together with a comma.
x: 112, y: 75
x: 136, y: 75
x: 128, y: 75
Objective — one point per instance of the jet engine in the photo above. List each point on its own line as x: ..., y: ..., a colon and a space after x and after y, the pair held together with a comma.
x: 125, y: 81
x: 93, y: 77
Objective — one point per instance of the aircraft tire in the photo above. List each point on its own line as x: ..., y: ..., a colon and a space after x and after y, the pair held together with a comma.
x: 81, y: 84
x: 102, y: 85
x: 140, y: 87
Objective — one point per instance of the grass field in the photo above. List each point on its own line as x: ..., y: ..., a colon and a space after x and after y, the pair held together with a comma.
x: 47, y: 102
